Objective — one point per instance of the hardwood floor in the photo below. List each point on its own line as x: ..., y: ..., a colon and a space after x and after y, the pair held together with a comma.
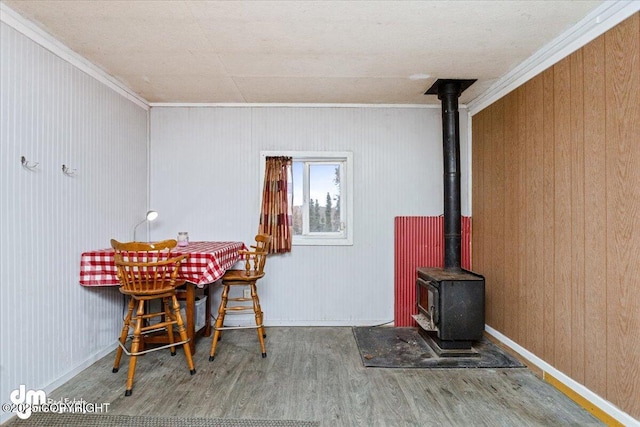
x: 315, y: 373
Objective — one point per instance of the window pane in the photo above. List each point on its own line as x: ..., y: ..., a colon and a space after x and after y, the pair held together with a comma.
x: 324, y: 198
x: 322, y: 208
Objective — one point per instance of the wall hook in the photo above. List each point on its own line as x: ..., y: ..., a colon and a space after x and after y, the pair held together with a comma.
x: 68, y: 171
x: 28, y: 165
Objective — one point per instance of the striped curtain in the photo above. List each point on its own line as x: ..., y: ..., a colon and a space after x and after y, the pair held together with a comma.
x: 275, y: 215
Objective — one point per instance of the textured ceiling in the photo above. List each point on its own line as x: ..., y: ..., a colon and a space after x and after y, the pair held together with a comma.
x: 373, y: 52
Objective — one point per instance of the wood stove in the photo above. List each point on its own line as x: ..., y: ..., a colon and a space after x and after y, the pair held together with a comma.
x: 451, y: 308
x: 450, y: 300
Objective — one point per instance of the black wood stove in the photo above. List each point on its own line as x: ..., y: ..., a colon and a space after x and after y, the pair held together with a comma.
x: 451, y: 309
x: 450, y: 300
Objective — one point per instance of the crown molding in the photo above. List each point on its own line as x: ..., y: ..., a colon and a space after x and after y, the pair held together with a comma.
x: 47, y: 41
x: 601, y: 19
x: 290, y: 105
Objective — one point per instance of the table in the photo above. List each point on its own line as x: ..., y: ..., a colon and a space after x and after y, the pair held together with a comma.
x: 206, y: 263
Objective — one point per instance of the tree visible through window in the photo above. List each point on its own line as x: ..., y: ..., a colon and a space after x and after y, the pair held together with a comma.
x: 323, y: 199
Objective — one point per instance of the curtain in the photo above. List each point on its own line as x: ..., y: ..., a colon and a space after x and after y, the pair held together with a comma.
x: 275, y: 214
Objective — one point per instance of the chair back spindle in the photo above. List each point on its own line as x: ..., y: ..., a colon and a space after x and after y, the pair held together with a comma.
x: 146, y: 267
x: 257, y: 256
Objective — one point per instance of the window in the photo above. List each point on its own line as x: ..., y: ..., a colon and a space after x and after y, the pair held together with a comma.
x: 321, y: 193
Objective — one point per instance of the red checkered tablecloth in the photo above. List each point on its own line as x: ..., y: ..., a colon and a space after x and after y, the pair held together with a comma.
x: 207, y: 263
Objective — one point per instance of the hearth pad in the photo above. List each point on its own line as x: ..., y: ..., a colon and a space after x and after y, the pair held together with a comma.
x: 390, y: 347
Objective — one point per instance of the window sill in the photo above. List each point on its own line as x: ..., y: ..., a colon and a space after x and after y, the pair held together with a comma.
x: 318, y: 241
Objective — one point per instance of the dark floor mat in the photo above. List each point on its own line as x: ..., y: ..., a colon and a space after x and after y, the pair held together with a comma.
x: 389, y: 347
x: 68, y: 419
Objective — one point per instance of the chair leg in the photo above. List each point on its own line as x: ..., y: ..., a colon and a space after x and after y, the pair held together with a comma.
x: 168, y: 316
x: 123, y: 335
x: 258, y: 314
x: 258, y: 310
x: 183, y: 335
x: 135, y: 346
x: 219, y: 321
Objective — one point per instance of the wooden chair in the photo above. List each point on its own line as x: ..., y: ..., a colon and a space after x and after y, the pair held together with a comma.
x: 148, y: 272
x: 254, y: 270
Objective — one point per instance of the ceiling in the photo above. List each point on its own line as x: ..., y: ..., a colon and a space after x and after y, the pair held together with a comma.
x: 362, y: 52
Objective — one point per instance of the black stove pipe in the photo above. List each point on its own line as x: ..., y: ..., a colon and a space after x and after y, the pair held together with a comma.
x: 448, y: 91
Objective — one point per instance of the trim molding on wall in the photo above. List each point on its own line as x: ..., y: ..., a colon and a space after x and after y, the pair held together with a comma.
x: 558, y: 377
x: 596, y: 23
x: 291, y: 105
x: 469, y: 166
x: 601, y: 19
x: 44, y: 39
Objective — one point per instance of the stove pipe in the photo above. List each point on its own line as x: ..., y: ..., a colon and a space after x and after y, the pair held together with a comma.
x: 448, y: 91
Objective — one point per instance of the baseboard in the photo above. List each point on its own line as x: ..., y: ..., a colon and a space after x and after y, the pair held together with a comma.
x: 49, y: 388
x: 249, y: 321
x: 586, y: 404
x: 595, y: 404
x: 81, y: 367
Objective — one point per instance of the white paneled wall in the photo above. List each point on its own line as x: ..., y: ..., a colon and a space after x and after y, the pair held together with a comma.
x: 205, y: 180
x: 53, y: 113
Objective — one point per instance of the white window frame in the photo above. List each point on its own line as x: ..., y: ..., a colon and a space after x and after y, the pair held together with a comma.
x: 346, y: 193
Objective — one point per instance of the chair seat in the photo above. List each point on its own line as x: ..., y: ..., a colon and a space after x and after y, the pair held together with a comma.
x: 150, y: 289
x: 151, y: 294
x: 241, y: 276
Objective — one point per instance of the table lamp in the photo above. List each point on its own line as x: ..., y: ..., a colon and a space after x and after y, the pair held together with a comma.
x: 151, y: 215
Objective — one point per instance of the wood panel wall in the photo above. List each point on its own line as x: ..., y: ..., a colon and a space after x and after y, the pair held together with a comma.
x: 556, y: 211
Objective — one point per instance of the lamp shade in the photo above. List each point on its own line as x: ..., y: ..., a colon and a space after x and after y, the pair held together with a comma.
x: 150, y: 216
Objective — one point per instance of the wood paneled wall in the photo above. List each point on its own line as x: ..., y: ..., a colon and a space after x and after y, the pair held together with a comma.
x: 556, y: 214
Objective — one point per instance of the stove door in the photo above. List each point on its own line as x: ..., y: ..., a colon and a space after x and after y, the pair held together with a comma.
x: 428, y: 300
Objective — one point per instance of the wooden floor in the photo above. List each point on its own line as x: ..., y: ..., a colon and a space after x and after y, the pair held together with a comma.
x: 316, y: 374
